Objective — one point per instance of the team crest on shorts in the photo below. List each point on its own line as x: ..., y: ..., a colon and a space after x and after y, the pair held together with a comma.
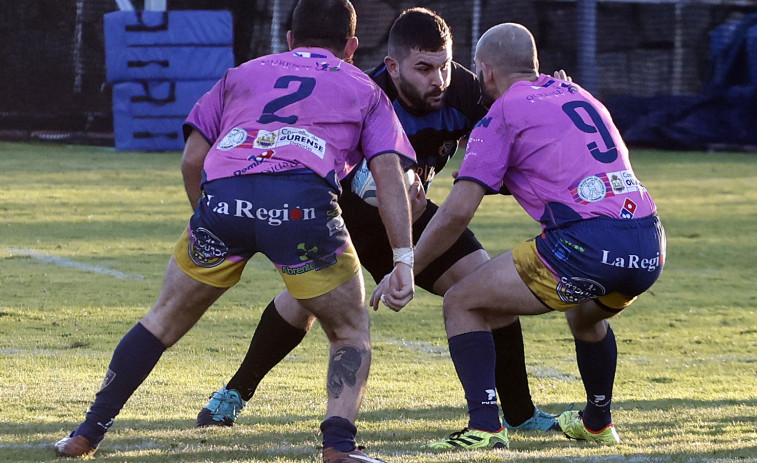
x: 577, y: 290
x: 206, y: 249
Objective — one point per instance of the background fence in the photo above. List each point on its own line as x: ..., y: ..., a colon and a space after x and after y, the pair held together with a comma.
x: 679, y: 73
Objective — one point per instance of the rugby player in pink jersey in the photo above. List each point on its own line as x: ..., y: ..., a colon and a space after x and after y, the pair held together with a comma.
x: 554, y: 147
x: 265, y: 151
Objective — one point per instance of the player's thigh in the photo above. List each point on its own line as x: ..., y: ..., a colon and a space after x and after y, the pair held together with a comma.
x: 181, y: 303
x: 341, y: 311
x: 459, y: 270
x: 495, y: 287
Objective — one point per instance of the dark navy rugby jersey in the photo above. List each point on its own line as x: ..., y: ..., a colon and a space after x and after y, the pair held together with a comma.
x: 435, y: 135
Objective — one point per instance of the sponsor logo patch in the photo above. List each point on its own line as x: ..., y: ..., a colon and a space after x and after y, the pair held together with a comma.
x: 599, y: 186
x: 311, y: 258
x: 272, y: 216
x: 484, y: 122
x: 650, y: 264
x: 629, y: 209
x: 289, y: 136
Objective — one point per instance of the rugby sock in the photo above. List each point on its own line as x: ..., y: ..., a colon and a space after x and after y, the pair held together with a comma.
x: 338, y: 433
x: 133, y: 359
x: 511, y: 376
x: 596, y: 362
x: 273, y: 339
x: 474, y: 358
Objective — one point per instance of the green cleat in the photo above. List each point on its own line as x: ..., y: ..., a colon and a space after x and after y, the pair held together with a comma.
x: 471, y: 439
x: 572, y: 424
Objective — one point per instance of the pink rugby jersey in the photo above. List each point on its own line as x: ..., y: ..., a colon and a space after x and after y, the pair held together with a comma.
x: 299, y: 109
x: 556, y: 150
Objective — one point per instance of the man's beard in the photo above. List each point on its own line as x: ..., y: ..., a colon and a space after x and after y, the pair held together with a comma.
x: 486, y: 98
x: 417, y: 101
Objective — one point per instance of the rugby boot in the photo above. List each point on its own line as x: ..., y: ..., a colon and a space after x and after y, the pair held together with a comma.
x: 541, y: 421
x: 572, y: 424
x: 222, y: 409
x: 74, y: 447
x: 331, y: 455
x: 471, y: 439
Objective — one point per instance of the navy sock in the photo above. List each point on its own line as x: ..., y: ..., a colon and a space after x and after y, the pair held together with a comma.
x: 338, y: 433
x: 510, y: 374
x: 596, y: 362
x: 474, y: 358
x: 274, y: 338
x: 134, y: 358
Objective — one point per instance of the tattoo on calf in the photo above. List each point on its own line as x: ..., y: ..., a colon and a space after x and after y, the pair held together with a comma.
x: 343, y: 368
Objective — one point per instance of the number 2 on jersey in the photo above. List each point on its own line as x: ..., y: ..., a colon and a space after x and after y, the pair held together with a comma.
x: 307, y: 84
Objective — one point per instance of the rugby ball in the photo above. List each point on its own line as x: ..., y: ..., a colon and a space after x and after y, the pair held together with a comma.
x: 364, y: 186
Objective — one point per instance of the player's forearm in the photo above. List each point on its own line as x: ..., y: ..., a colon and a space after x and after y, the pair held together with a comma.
x: 192, y: 161
x: 393, y: 202
x: 449, y: 222
x: 440, y: 234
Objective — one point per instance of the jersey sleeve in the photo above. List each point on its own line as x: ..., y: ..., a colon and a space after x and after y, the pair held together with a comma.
x: 383, y: 132
x: 468, y: 99
x: 205, y: 116
x: 487, y: 155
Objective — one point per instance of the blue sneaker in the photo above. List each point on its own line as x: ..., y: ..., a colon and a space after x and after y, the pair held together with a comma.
x: 541, y: 421
x: 222, y: 409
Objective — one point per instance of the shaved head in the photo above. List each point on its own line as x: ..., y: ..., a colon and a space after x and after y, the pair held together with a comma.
x: 508, y: 48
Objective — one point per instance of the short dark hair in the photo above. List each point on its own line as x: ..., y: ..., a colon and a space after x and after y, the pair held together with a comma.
x: 418, y: 28
x: 322, y: 23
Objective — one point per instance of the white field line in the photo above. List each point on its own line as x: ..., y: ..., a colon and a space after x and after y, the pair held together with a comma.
x: 63, y: 262
x: 415, y: 346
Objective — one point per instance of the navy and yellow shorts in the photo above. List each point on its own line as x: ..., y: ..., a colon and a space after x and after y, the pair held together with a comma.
x: 608, y: 260
x: 292, y: 218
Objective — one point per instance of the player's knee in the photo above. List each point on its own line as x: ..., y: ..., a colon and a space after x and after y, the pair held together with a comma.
x: 586, y: 324
x: 351, y: 327
x: 455, y: 302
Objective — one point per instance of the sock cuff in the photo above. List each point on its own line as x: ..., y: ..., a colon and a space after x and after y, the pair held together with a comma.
x: 338, y: 422
x: 470, y: 338
x: 609, y: 338
x: 272, y: 316
x: 142, y: 334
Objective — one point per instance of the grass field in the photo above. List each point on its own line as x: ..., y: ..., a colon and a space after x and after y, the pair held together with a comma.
x: 85, y: 234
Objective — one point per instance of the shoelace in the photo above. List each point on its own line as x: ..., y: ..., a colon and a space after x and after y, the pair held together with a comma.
x: 455, y: 435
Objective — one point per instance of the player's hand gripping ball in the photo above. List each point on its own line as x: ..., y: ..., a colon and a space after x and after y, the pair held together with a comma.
x: 364, y: 186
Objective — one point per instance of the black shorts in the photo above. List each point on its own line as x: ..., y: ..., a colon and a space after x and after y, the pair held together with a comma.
x: 374, y: 251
